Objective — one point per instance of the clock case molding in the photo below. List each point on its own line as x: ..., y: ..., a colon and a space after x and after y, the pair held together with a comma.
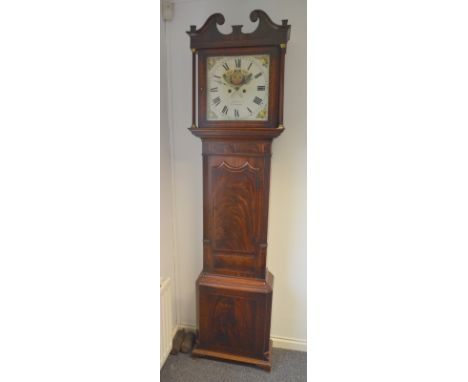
x: 234, y: 289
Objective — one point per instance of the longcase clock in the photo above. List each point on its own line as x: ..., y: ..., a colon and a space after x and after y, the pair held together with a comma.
x: 237, y: 111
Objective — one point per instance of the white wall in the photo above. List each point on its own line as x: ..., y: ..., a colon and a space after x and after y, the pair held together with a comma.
x: 167, y: 241
x: 287, y: 226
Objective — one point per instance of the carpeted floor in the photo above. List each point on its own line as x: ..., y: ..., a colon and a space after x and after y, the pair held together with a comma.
x: 287, y: 366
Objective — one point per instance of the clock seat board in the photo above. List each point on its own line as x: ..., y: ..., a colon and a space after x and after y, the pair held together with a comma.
x: 236, y: 112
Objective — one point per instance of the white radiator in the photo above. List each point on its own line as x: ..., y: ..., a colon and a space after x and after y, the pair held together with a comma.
x: 165, y: 320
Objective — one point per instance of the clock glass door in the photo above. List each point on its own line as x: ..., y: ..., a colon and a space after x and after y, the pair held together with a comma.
x: 237, y: 87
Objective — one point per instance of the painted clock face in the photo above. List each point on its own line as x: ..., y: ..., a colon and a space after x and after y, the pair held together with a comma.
x: 237, y: 88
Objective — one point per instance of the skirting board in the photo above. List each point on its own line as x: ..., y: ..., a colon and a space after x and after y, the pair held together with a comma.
x: 278, y: 342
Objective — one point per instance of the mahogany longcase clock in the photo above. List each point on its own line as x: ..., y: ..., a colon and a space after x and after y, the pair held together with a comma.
x: 238, y: 103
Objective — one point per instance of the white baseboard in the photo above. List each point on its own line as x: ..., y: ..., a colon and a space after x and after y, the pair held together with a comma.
x: 289, y: 343
x: 278, y: 342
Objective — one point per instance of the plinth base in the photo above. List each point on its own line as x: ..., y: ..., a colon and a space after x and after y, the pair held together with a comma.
x: 261, y: 363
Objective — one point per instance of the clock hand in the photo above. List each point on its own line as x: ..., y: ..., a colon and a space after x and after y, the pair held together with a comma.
x: 236, y: 93
x: 241, y: 86
x: 220, y: 82
x: 230, y: 85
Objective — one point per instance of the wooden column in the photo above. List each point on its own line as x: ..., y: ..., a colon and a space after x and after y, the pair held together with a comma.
x: 194, y: 86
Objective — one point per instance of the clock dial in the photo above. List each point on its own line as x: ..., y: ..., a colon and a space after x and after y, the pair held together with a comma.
x: 237, y: 87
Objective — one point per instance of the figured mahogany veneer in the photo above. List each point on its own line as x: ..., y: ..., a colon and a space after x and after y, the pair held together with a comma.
x: 236, y: 173
x: 235, y: 289
x: 266, y: 33
x: 234, y: 318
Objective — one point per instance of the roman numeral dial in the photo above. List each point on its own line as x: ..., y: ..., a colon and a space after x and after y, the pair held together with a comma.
x: 237, y: 87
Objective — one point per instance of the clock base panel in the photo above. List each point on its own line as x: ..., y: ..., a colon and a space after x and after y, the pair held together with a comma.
x: 234, y: 316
